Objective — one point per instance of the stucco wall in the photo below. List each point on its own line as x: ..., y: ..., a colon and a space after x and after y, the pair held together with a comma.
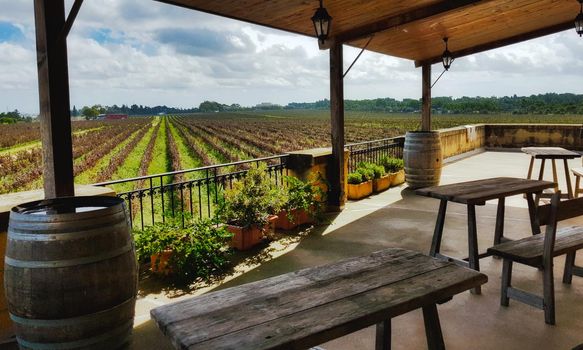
x: 462, y: 139
x: 544, y: 135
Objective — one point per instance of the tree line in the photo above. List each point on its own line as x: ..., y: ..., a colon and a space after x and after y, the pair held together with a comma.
x: 549, y: 103
x: 13, y: 117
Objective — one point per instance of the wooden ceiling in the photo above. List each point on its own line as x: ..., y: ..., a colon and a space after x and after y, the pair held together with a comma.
x: 408, y: 29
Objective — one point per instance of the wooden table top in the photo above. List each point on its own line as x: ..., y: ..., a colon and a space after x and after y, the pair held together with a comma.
x: 550, y: 153
x: 311, y: 306
x: 479, y: 191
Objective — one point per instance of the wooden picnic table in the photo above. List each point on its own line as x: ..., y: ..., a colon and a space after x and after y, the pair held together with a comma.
x: 551, y: 153
x: 473, y: 193
x: 308, y: 307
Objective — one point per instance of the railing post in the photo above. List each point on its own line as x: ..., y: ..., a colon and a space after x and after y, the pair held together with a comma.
x: 162, y: 197
x: 151, y: 202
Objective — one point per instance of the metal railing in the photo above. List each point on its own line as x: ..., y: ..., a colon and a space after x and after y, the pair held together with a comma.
x: 373, y: 151
x: 183, y: 193
x: 197, y: 192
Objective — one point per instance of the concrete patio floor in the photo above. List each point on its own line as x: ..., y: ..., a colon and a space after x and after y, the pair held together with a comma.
x: 398, y: 218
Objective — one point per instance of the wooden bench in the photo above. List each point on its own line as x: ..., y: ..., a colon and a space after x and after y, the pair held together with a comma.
x: 539, y: 251
x: 305, y: 308
x: 578, y: 172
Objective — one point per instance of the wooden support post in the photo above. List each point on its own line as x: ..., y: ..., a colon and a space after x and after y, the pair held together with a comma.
x: 53, y: 80
x: 337, y: 196
x: 426, y: 98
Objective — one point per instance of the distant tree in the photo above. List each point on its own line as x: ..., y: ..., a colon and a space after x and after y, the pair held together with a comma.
x: 7, y: 120
x: 90, y: 112
x: 74, y: 112
x: 210, y: 106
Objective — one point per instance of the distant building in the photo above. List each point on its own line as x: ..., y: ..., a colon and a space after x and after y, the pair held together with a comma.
x: 115, y: 116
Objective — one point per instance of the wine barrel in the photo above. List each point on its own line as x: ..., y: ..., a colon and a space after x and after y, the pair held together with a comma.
x: 71, y: 273
x: 422, y: 158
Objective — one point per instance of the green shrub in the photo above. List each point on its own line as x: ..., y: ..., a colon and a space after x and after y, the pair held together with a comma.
x: 303, y: 195
x: 252, y: 199
x: 378, y: 170
x: 392, y: 165
x: 367, y: 173
x: 355, y: 178
x: 199, y: 250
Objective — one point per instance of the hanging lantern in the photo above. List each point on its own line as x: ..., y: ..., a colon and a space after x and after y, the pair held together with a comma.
x: 446, y: 57
x: 579, y: 20
x: 322, y: 22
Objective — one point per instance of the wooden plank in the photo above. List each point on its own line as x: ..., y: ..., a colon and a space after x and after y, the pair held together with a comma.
x: 336, y: 174
x: 279, y: 284
x: 529, y: 250
x: 53, y: 80
x: 567, y: 209
x: 306, y: 295
x: 407, y: 29
x: 525, y: 297
x: 479, y: 191
x: 426, y: 98
x: 550, y: 153
x: 331, y: 320
x: 401, y: 19
x: 505, y: 41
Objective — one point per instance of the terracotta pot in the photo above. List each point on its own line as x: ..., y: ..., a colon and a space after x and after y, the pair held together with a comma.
x: 399, y: 178
x: 269, y: 228
x: 359, y: 191
x: 159, y: 262
x: 381, y: 184
x: 299, y: 217
x: 245, y: 238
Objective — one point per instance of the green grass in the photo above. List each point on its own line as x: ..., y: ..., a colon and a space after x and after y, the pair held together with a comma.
x: 161, y: 162
x: 131, y: 166
x: 89, y: 175
x: 188, y: 159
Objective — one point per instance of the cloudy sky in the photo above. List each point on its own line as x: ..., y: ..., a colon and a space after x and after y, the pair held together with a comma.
x: 145, y: 52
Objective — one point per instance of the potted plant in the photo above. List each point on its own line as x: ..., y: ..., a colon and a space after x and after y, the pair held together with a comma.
x: 249, y: 206
x: 360, y: 183
x: 396, y: 167
x: 303, y: 203
x: 195, y: 250
x: 381, y: 179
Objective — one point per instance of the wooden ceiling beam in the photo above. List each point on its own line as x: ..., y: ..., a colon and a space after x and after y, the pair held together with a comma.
x: 398, y: 20
x: 501, y: 42
x: 188, y: 5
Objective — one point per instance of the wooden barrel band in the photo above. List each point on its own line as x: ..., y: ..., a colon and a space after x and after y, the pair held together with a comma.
x: 64, y: 236
x: 67, y: 263
x: 79, y: 321
x: 109, y: 340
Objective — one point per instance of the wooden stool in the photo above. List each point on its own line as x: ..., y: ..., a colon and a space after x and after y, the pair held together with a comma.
x: 578, y: 172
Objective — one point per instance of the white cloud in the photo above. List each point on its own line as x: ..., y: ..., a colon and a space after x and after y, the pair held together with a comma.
x: 126, y: 51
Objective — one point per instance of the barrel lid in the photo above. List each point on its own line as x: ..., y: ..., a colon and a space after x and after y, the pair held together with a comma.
x: 64, y: 208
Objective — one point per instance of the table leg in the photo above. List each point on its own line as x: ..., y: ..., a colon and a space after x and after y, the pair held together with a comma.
x: 383, y: 335
x: 474, y: 258
x: 499, y: 231
x: 568, y: 178
x: 542, y: 169
x: 433, y: 328
x: 532, y: 205
x: 530, y: 167
x: 438, y: 232
x: 555, y: 177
